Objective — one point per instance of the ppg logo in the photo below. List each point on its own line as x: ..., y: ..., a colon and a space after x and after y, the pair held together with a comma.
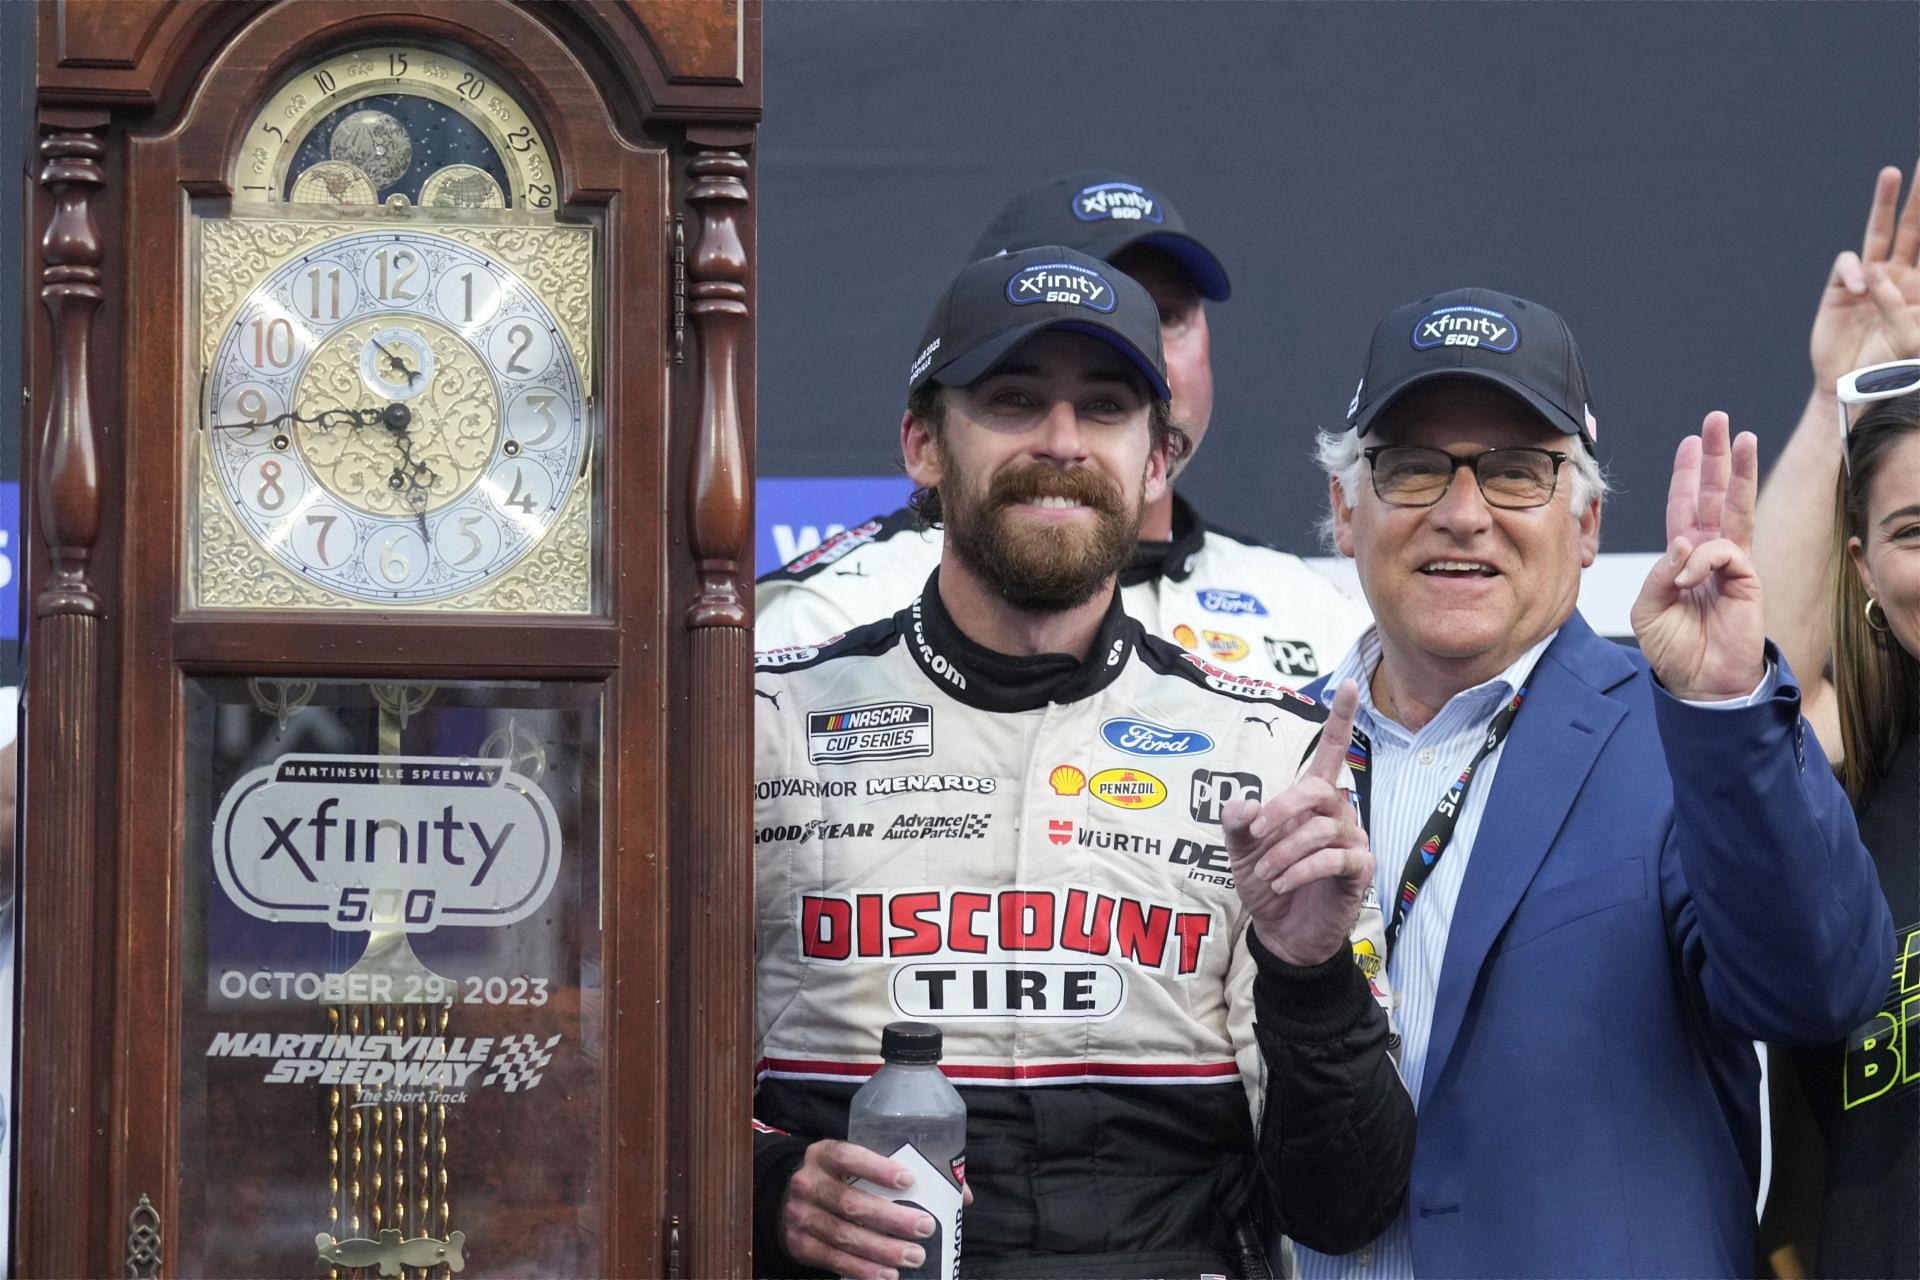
x: 1292, y: 657
x: 1213, y: 792
x: 1061, y: 282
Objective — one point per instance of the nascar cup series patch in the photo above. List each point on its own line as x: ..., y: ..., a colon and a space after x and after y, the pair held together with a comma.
x: 1061, y: 282
x: 1116, y: 201
x: 1465, y: 326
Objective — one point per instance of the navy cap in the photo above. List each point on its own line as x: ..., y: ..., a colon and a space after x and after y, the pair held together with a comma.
x: 1102, y: 213
x: 1484, y: 334
x: 996, y: 304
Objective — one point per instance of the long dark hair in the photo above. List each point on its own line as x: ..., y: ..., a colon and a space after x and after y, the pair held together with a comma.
x: 1876, y: 682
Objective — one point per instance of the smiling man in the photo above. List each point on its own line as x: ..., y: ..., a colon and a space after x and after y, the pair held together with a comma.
x: 1238, y: 603
x: 1607, y: 872
x: 1126, y: 883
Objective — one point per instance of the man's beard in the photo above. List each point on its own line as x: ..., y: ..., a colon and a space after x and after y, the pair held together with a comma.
x: 1042, y: 567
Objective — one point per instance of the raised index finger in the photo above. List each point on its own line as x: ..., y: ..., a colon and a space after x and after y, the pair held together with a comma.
x: 1330, y: 753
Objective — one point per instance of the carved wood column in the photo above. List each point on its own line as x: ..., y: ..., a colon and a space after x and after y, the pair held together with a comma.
x: 720, y: 844
x: 57, y: 1113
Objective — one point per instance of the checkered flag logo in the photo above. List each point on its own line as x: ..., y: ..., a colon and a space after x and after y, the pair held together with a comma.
x: 518, y: 1062
x: 974, y: 827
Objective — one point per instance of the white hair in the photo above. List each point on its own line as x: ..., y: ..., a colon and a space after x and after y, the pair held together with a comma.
x: 1338, y: 453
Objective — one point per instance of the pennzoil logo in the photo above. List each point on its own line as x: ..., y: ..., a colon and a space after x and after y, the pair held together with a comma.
x: 877, y: 731
x: 1226, y: 646
x: 1127, y: 788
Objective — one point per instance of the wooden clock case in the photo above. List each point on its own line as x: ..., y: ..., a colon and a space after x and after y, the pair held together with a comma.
x: 650, y: 107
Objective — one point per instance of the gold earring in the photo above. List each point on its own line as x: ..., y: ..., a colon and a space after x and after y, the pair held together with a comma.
x: 1880, y: 626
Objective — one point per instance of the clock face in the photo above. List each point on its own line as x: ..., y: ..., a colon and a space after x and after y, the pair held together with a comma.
x: 395, y: 124
x: 395, y: 416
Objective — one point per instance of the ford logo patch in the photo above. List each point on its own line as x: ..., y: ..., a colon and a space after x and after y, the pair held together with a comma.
x: 1060, y: 282
x: 1465, y: 326
x: 1144, y: 738
x: 1119, y: 201
x: 1221, y: 600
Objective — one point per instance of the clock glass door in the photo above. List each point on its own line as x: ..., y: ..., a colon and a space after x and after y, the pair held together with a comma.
x: 392, y: 1012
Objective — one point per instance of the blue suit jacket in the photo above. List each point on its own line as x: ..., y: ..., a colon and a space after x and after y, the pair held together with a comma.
x: 1654, y: 886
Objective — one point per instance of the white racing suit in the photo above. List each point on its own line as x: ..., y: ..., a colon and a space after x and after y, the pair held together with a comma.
x: 1243, y: 606
x: 1028, y: 853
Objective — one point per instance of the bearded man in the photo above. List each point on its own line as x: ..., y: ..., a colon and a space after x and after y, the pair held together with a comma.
x: 1126, y: 883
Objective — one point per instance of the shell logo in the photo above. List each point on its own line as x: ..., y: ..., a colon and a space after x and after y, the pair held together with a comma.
x: 1184, y: 637
x: 1128, y: 788
x: 1226, y: 646
x: 1067, y: 781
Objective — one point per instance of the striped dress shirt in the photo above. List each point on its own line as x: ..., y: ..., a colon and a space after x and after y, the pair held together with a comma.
x: 1410, y: 772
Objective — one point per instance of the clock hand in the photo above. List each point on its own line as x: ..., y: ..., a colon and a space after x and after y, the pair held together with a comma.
x: 328, y: 419
x: 413, y: 478
x: 399, y: 365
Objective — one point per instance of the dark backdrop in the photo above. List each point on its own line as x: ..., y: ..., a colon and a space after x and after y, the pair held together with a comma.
x: 1675, y: 178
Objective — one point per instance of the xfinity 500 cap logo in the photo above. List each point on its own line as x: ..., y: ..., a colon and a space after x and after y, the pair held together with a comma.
x: 386, y: 842
x: 881, y: 731
x: 1465, y: 326
x: 1060, y: 282
x: 1118, y: 201
x: 1144, y: 738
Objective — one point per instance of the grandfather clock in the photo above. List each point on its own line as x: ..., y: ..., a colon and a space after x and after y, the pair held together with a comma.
x: 385, y: 899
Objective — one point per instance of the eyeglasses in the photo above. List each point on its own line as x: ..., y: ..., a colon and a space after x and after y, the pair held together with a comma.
x: 1413, y: 476
x: 1875, y: 382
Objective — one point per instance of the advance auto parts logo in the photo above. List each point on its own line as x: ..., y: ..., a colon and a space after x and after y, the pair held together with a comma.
x: 386, y: 842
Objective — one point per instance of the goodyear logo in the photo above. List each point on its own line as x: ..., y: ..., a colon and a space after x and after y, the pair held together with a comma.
x: 1127, y: 788
x: 1465, y: 326
x: 1063, y: 282
x: 1117, y: 202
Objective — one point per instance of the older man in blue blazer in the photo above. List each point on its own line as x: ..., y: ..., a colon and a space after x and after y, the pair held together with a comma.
x: 1606, y: 873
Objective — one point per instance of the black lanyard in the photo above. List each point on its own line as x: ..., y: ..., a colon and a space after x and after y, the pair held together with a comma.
x: 1434, y: 837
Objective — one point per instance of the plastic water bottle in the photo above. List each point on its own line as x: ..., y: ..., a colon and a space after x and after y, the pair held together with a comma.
x: 909, y: 1113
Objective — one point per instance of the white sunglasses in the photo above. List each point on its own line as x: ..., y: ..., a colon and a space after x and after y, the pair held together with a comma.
x: 1875, y: 382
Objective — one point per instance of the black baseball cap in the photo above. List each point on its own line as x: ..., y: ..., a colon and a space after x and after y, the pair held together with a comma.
x: 996, y: 304
x: 1101, y: 212
x: 1478, y: 333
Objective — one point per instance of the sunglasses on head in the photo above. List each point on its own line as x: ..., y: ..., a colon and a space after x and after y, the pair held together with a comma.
x: 1875, y: 382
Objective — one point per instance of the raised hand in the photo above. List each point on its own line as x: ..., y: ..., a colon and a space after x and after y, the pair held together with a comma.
x: 839, y: 1228
x: 1301, y: 863
x: 1870, y: 309
x: 1698, y: 618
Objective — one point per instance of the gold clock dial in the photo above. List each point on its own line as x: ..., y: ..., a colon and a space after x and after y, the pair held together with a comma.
x: 396, y: 120
x: 395, y: 416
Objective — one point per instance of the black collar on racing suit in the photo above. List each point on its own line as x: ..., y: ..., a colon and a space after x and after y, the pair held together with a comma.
x: 1172, y: 558
x: 993, y: 681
